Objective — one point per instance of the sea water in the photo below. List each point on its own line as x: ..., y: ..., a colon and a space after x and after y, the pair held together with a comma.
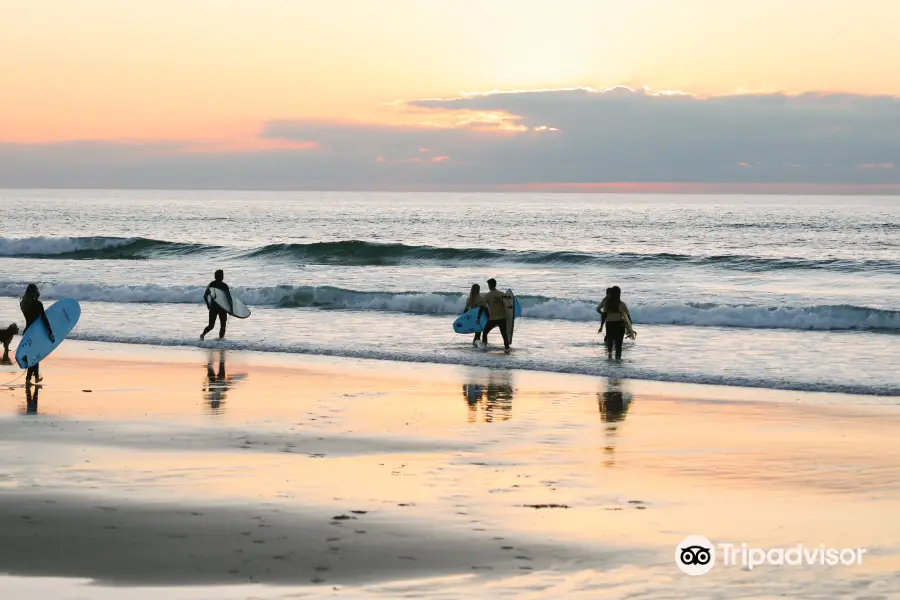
x: 788, y: 292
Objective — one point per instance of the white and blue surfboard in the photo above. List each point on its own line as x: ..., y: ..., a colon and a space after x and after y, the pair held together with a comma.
x: 35, y: 345
x: 471, y: 321
x: 234, y: 307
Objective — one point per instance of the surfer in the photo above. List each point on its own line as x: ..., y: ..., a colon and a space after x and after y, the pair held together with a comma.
x: 215, y: 311
x: 496, y: 305
x: 616, y: 315
x: 33, y: 309
x: 475, y: 300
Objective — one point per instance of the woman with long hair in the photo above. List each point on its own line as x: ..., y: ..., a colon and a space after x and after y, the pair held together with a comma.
x: 475, y: 300
x: 33, y: 309
x: 616, y: 315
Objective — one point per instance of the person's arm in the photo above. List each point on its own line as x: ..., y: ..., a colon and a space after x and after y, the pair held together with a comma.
x: 624, y: 309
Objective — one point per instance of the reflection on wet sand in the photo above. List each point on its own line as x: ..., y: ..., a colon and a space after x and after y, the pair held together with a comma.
x: 613, y: 402
x: 216, y: 385
x: 493, y: 398
x: 31, y: 400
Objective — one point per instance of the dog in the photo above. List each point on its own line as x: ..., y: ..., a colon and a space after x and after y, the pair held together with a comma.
x: 6, y: 336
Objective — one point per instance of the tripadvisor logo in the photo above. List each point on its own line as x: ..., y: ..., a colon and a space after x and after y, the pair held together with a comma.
x: 696, y: 555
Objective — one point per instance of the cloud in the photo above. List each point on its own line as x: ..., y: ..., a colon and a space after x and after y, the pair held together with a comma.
x: 521, y: 138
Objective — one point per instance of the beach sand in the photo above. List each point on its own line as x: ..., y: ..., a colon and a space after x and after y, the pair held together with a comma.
x: 141, y: 472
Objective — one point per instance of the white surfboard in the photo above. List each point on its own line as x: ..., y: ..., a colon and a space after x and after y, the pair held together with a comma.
x: 35, y: 345
x: 629, y: 330
x: 235, y: 308
x: 509, y: 301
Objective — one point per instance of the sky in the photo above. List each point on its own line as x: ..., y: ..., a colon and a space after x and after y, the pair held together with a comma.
x: 356, y: 94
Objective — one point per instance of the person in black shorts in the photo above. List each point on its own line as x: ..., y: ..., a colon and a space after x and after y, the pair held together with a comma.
x: 215, y: 311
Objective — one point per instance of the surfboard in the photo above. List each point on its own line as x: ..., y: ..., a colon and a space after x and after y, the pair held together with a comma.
x: 35, y: 344
x: 629, y: 330
x: 235, y: 308
x: 510, y: 302
x: 469, y: 321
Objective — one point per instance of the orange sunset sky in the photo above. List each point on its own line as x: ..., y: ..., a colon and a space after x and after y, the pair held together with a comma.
x: 212, y: 76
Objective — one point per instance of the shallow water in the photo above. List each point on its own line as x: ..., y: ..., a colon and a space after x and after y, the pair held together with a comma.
x: 769, y: 291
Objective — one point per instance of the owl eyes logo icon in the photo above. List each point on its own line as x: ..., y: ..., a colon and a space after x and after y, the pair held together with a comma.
x: 695, y: 555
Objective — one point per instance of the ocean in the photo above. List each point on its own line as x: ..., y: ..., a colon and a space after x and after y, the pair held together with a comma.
x: 782, y: 292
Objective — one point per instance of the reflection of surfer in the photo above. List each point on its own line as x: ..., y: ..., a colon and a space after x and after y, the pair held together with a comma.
x: 613, y: 403
x: 216, y: 384
x: 215, y: 311
x: 475, y: 299
x: 33, y: 309
x: 496, y: 303
x: 473, y: 392
x: 494, y: 398
x: 31, y: 400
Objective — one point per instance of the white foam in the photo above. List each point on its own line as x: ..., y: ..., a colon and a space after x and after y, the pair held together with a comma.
x: 814, y: 318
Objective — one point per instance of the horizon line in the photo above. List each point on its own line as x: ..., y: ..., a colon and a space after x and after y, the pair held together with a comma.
x: 672, y: 188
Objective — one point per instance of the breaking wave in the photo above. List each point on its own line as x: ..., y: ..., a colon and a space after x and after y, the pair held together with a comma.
x: 95, y: 247
x: 812, y: 318
x: 363, y: 253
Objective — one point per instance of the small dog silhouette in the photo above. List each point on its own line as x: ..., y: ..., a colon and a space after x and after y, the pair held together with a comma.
x: 6, y: 336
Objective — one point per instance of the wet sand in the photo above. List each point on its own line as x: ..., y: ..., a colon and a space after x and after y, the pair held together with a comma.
x: 182, y: 473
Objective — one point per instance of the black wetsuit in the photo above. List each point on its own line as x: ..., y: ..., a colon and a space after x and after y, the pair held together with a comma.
x: 32, y: 310
x: 615, y: 334
x: 215, y: 312
x: 501, y: 323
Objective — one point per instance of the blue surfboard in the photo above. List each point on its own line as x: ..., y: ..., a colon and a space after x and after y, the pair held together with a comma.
x: 35, y: 345
x: 468, y: 322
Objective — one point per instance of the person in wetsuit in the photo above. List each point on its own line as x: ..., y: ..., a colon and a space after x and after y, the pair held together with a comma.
x: 496, y: 304
x: 615, y: 321
x: 475, y: 300
x: 33, y: 309
x: 215, y: 311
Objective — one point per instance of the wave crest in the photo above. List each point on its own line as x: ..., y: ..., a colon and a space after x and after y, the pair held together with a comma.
x: 813, y: 318
x: 95, y: 247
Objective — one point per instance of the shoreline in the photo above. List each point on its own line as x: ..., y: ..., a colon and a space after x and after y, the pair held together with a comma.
x: 661, y: 382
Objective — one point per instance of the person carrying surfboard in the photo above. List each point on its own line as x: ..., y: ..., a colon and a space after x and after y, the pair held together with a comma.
x: 32, y: 310
x: 617, y: 320
x: 215, y: 311
x: 474, y: 300
x: 496, y: 302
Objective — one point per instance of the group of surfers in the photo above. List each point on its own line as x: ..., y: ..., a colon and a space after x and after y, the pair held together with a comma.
x: 614, y: 315
x: 613, y: 311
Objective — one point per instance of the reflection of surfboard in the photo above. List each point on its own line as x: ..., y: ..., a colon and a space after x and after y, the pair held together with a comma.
x: 510, y: 302
x: 629, y: 330
x: 472, y: 321
x: 235, y: 308
x: 35, y: 344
